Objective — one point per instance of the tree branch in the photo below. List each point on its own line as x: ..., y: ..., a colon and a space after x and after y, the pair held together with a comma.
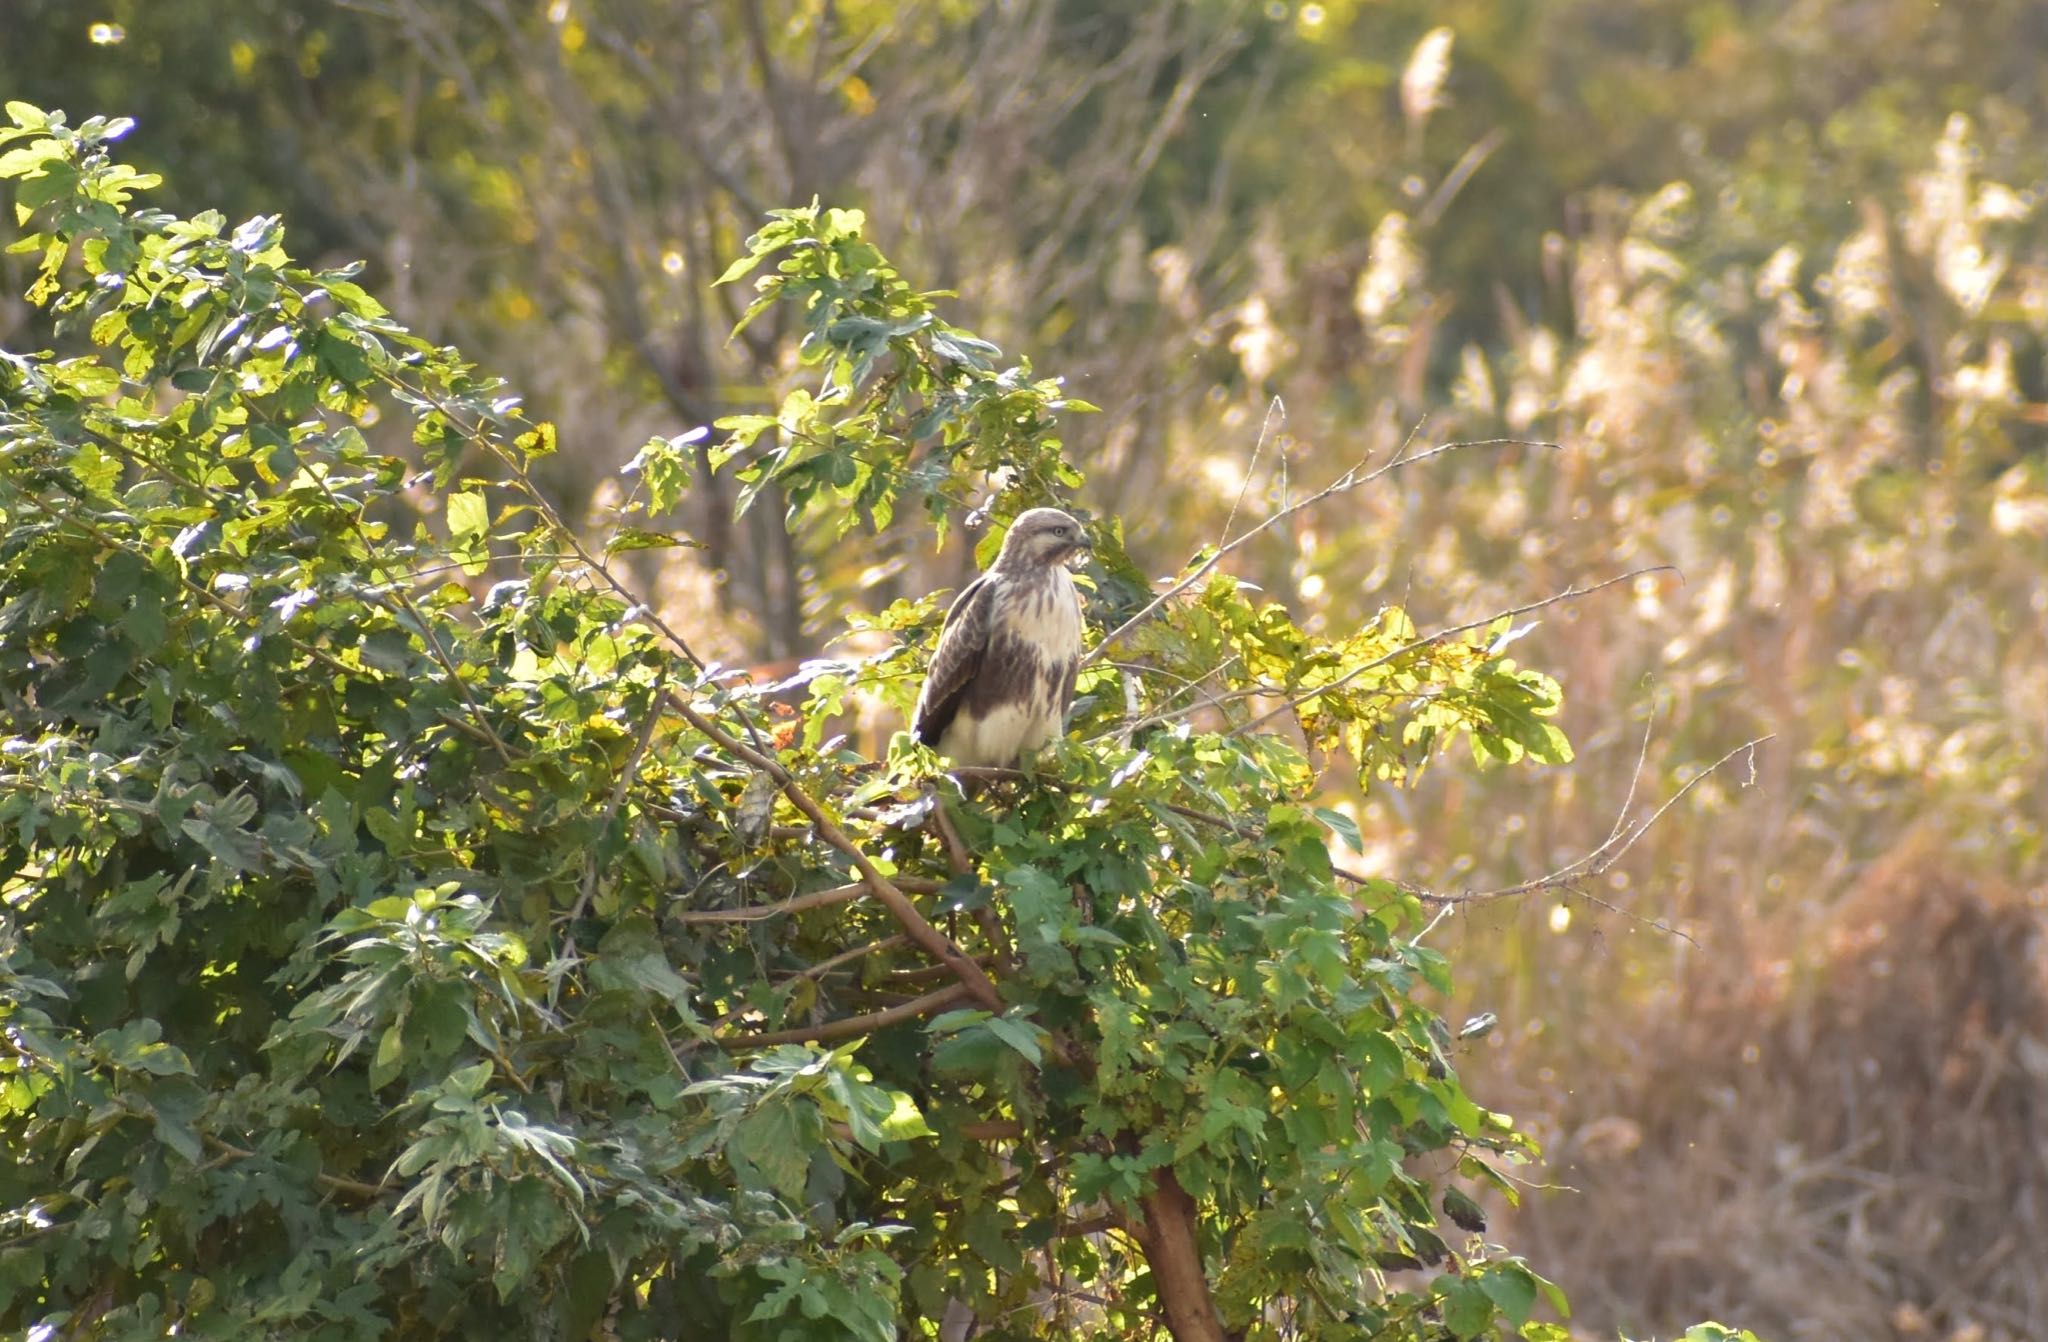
x: 1593, y: 864
x: 1170, y: 1235
x: 885, y: 890
x: 817, y: 899
x: 356, y: 1187
x: 847, y: 957
x: 992, y: 1130
x: 1343, y: 484
x: 1600, y: 859
x: 851, y: 1026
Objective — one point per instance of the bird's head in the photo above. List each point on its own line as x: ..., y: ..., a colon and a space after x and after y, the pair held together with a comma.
x: 1041, y: 538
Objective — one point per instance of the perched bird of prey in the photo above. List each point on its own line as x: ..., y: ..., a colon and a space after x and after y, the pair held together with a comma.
x: 1003, y: 676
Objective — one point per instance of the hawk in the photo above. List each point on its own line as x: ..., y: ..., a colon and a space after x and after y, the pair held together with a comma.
x: 1003, y: 676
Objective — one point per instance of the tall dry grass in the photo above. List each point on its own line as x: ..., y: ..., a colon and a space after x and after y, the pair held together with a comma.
x: 1838, y: 1132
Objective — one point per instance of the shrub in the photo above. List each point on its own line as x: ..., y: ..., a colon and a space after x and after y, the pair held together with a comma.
x: 403, y: 933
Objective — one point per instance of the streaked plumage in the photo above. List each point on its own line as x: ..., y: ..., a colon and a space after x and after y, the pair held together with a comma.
x: 1003, y: 676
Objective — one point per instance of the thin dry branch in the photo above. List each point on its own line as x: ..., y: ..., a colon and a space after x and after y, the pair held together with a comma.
x: 353, y: 1187
x: 1275, y: 409
x: 847, y: 957
x: 1350, y: 480
x: 851, y: 1027
x: 1623, y: 838
x: 1593, y: 864
x: 817, y: 899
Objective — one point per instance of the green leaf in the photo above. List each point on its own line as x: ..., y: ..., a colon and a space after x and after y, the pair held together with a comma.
x: 537, y: 442
x: 21, y: 162
x: 590, y: 1283
x: 1467, y: 1310
x: 471, y: 1080
x: 390, y: 1054
x: 903, y: 1122
x: 177, y: 1134
x: 773, y: 1144
x: 741, y: 267
x: 144, y: 624
x: 1512, y: 1289
x: 633, y: 538
x: 468, y: 514
x: 665, y: 467
x: 1019, y: 1036
x: 1344, y: 826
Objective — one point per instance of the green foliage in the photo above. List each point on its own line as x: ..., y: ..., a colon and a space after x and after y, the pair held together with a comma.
x: 402, y: 935
x: 908, y: 403
x: 298, y: 829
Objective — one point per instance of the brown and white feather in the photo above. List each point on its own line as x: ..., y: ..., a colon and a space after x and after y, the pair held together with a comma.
x: 961, y: 641
x: 1002, y: 678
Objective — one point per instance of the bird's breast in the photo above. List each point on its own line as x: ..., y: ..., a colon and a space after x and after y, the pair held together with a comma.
x: 1044, y: 614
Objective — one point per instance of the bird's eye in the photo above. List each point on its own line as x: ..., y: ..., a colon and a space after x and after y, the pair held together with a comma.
x: 1059, y: 531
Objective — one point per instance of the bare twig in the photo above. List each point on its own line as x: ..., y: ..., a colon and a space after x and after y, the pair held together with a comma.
x: 817, y: 899
x: 1275, y: 408
x: 1350, y: 480
x: 850, y: 1027
x: 1593, y: 864
x: 904, y: 978
x: 1461, y: 172
x: 1600, y: 859
x: 846, y: 957
x: 354, y: 1187
x: 1220, y: 822
x: 992, y: 1130
x: 1642, y: 760
x: 1133, y: 724
x: 949, y: 838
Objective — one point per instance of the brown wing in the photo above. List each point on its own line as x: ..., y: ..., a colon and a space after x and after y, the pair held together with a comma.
x: 1072, y: 672
x: 954, y: 665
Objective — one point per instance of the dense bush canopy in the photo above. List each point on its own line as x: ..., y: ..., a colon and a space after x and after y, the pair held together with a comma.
x: 405, y: 933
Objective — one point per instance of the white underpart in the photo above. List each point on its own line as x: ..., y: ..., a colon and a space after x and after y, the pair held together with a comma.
x: 996, y: 741
x: 1054, y: 628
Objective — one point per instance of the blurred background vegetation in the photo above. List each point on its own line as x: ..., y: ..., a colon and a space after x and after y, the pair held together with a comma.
x: 1774, y: 276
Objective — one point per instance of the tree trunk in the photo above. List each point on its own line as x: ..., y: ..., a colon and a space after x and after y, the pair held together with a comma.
x: 1167, y: 1235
